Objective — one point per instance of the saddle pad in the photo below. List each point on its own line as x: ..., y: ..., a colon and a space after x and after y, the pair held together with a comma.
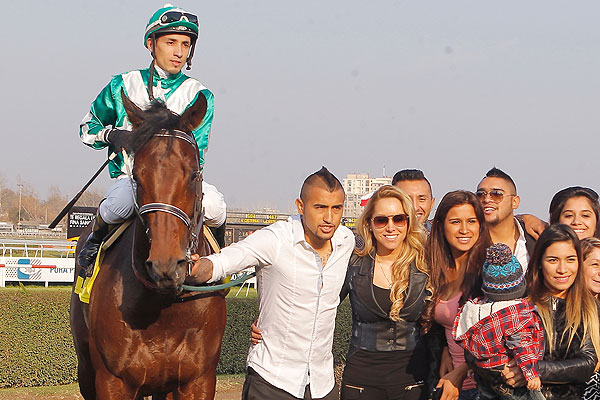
x: 84, y: 287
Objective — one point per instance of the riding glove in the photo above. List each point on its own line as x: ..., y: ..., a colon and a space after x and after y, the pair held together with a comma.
x: 120, y: 138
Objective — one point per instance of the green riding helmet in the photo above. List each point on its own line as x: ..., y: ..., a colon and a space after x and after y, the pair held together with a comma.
x: 171, y: 19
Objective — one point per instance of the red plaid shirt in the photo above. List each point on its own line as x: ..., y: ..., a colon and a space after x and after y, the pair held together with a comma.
x: 511, y: 332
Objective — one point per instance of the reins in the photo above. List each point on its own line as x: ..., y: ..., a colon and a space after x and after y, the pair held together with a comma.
x: 245, y: 276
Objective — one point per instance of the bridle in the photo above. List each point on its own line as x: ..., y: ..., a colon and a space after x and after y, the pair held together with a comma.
x: 193, y: 223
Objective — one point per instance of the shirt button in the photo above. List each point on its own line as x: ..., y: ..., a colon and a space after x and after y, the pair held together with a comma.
x: 391, y: 329
x: 391, y: 341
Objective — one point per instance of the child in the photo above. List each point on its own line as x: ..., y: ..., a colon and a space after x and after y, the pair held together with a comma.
x: 501, y: 326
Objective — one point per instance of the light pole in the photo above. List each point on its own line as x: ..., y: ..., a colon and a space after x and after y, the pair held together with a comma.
x: 20, y: 189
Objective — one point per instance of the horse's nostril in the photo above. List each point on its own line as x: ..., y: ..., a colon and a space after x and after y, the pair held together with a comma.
x: 149, y: 265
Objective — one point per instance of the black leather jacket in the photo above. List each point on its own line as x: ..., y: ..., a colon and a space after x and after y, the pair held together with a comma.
x: 565, y: 372
x: 372, y: 330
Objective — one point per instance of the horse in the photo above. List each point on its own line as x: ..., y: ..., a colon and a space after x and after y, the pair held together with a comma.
x: 141, y: 335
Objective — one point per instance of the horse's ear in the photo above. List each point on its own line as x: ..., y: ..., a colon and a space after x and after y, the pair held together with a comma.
x: 134, y: 113
x: 193, y: 116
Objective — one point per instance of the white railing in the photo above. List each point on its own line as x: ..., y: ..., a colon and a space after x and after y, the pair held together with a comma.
x: 36, y: 261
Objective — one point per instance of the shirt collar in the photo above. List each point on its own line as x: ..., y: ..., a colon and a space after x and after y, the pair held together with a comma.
x: 162, y: 74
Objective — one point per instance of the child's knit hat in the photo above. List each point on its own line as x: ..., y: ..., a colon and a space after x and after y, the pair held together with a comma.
x: 503, y: 276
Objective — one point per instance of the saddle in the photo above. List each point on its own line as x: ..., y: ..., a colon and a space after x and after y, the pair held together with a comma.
x: 84, y: 287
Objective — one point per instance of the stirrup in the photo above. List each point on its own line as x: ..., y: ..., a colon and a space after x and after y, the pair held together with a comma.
x: 87, y: 256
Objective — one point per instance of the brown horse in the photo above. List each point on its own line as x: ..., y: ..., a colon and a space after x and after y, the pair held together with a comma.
x: 140, y: 335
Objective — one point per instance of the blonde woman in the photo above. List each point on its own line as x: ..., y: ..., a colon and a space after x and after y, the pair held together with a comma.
x: 569, y: 313
x: 389, y: 288
x: 590, y: 249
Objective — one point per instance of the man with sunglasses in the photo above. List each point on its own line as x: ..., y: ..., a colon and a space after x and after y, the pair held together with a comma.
x: 300, y: 265
x: 170, y: 37
x: 498, y: 195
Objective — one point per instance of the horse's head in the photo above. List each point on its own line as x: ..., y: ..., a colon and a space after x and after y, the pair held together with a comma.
x: 168, y: 177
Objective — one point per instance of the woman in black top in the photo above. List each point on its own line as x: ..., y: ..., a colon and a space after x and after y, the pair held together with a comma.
x: 388, y: 284
x: 569, y: 313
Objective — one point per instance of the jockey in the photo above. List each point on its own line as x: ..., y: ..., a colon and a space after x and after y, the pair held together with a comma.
x: 170, y: 37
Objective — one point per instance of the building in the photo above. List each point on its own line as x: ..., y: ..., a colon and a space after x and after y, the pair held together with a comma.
x: 357, y: 186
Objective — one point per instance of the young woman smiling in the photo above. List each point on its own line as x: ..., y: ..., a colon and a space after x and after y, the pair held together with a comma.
x: 577, y: 207
x: 389, y: 288
x: 456, y: 252
x: 569, y: 313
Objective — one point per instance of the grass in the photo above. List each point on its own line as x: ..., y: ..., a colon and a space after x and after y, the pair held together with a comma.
x: 39, y: 392
x: 252, y: 294
x: 14, y: 286
x: 29, y: 288
x: 33, y: 288
x: 225, y: 383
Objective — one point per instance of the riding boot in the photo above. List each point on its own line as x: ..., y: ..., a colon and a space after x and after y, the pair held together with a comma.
x: 87, y: 255
x: 219, y: 234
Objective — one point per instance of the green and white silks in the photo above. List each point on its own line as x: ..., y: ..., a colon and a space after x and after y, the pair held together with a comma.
x: 107, y: 112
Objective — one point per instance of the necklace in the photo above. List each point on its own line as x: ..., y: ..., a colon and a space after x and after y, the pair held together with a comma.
x: 384, y: 275
x: 325, y: 257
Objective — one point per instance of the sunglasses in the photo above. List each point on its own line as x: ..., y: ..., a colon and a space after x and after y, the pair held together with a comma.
x: 174, y: 16
x: 399, y: 220
x: 495, y: 195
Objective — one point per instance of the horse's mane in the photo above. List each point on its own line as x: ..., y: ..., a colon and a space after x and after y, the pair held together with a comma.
x: 156, y: 118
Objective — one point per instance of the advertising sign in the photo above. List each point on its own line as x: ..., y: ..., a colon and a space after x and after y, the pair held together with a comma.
x: 46, y: 269
x: 78, y: 218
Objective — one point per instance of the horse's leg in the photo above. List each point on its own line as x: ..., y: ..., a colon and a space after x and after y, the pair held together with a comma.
x: 110, y: 387
x: 85, y: 369
x: 81, y: 337
x: 202, y: 388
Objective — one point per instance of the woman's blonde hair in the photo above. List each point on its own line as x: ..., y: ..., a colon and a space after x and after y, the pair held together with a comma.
x: 581, y: 308
x: 589, y: 244
x: 413, y: 246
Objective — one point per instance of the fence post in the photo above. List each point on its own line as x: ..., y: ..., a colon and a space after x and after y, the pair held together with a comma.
x: 2, y: 269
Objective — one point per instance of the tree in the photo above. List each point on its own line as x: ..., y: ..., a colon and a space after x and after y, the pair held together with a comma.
x: 54, y: 204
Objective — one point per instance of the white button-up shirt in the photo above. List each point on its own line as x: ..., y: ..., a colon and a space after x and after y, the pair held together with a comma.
x: 297, y: 301
x: 521, y: 248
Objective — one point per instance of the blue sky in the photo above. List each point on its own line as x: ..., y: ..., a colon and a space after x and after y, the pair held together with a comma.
x: 452, y: 88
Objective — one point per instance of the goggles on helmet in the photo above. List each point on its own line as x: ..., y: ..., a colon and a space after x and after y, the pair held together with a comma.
x: 168, y: 17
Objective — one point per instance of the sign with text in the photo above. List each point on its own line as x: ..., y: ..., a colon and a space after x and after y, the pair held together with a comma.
x: 42, y: 269
x: 234, y: 217
x: 78, y: 219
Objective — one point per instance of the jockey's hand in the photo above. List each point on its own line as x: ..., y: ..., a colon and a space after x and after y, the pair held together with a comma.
x: 255, y: 333
x: 119, y: 139
x: 201, y: 271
